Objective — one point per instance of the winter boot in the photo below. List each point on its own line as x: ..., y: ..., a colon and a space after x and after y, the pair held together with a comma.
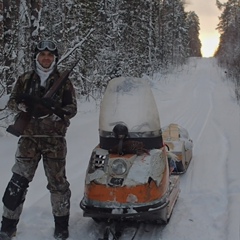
x: 8, y: 229
x: 61, y: 227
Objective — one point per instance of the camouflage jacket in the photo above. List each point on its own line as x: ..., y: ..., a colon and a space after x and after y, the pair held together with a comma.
x: 65, y: 98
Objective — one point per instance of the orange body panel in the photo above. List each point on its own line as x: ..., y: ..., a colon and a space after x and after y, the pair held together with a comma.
x: 143, y: 193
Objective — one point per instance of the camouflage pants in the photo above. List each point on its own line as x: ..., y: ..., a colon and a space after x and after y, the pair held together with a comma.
x: 53, y: 153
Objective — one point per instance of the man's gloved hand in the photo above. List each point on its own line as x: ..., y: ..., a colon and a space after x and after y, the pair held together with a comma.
x: 54, y: 108
x: 55, y: 118
x: 25, y: 103
x: 22, y: 107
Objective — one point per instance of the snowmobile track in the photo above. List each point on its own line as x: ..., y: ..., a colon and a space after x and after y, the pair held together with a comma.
x: 120, y: 231
x: 132, y: 231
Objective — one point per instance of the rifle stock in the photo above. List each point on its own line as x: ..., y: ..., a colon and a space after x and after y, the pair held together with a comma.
x: 24, y: 118
x: 20, y: 124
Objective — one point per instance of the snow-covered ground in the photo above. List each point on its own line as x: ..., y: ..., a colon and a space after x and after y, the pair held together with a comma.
x: 199, y: 98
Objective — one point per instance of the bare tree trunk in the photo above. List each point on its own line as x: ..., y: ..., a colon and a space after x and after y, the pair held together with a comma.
x: 8, y: 41
x: 2, y: 85
x: 35, y: 19
x: 1, y: 32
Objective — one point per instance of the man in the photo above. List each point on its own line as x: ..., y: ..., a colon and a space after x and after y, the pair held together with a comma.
x: 43, y: 138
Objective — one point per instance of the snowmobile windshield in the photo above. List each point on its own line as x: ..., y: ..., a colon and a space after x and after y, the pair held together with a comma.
x: 129, y: 101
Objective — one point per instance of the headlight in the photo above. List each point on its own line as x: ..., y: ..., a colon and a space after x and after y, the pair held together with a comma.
x: 119, y: 166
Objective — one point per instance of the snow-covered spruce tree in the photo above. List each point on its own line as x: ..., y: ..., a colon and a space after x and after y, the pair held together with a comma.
x: 174, y: 29
x: 228, y: 52
x: 28, y: 34
x: 180, y: 36
x: 18, y: 28
x: 136, y: 36
x: 194, y: 44
x: 146, y: 35
x: 3, y: 89
x: 10, y: 21
x: 8, y: 40
x: 91, y: 17
x: 109, y: 61
x: 52, y: 20
x: 128, y: 38
x: 229, y: 31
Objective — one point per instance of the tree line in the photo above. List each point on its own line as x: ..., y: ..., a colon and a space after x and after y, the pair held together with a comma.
x: 228, y: 52
x: 110, y: 37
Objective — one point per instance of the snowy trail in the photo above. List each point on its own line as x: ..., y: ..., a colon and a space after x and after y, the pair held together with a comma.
x: 197, y: 97
x: 204, y: 187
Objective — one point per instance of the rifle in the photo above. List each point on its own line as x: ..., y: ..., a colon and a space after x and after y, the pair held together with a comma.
x: 45, y: 102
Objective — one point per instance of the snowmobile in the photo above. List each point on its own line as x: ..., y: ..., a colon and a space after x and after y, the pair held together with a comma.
x: 128, y: 176
x: 177, y: 141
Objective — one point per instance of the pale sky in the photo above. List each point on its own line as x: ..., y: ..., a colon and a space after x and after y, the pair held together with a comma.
x: 208, y: 14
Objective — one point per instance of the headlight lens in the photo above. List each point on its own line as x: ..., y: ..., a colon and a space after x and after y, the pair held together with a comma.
x: 119, y: 166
